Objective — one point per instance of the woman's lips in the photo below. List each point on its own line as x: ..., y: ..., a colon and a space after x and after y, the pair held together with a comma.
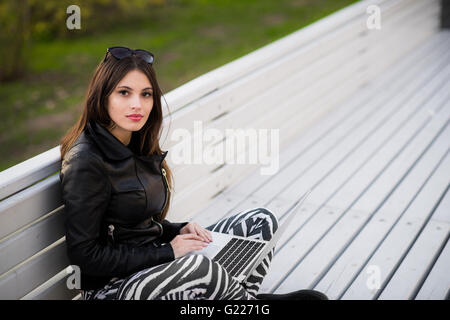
x: 134, y: 118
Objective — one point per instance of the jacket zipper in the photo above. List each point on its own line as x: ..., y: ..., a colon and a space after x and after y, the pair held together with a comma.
x: 168, y: 191
x: 160, y: 226
x: 111, y: 231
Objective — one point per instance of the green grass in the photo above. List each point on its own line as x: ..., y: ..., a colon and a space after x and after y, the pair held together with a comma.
x: 188, y: 38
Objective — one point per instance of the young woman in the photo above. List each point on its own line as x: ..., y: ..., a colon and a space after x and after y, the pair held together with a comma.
x: 116, y: 189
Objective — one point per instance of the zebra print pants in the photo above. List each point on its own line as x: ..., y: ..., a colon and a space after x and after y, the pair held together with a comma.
x: 195, y: 276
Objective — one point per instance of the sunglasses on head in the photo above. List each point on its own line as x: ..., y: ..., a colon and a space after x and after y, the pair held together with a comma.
x: 123, y: 52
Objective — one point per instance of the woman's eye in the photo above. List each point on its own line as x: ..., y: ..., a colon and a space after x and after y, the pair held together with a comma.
x: 122, y: 91
x: 147, y: 94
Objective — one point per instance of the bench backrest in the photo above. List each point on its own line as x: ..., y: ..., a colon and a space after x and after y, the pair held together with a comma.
x: 286, y: 85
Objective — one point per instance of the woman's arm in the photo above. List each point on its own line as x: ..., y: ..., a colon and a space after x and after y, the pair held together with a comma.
x: 171, y: 230
x: 86, y: 193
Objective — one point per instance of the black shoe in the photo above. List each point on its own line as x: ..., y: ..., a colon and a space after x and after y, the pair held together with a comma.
x: 296, y: 295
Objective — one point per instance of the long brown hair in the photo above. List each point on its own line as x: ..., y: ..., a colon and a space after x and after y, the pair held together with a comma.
x: 95, y: 107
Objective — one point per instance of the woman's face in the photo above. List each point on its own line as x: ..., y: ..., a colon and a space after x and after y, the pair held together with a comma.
x: 133, y: 95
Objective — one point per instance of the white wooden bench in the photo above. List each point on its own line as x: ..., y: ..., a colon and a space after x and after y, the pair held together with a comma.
x: 311, y: 85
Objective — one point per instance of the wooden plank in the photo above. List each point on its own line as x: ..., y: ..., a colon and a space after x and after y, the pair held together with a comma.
x: 329, y: 131
x: 326, y: 250
x: 385, y: 85
x: 437, y: 284
x: 244, y: 115
x: 302, y: 243
x: 389, y: 109
x: 219, y: 77
x: 237, y: 93
x: 193, y: 198
x: 187, y: 170
x: 303, y: 164
x: 414, y: 27
x: 318, y: 174
x: 29, y: 172
x: 419, y: 98
x: 345, y: 268
x: 397, y: 242
x: 24, y: 207
x: 184, y: 173
x: 299, y: 40
x: 53, y: 289
x: 418, y: 114
x: 22, y: 245
x: 179, y: 210
x: 442, y: 213
x: 322, y: 246
x: 350, y: 261
x: 216, y: 209
x: 322, y: 48
x: 334, y: 275
x: 31, y: 273
x: 419, y: 258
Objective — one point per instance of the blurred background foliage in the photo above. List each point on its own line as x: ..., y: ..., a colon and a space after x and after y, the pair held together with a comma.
x: 40, y: 20
x: 45, y: 67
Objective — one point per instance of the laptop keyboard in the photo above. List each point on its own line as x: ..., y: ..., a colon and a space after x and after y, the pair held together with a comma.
x: 236, y: 254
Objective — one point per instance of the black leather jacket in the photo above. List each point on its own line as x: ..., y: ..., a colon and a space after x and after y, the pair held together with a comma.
x: 107, y: 186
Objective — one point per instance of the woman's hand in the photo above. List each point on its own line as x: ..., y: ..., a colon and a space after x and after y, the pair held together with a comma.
x: 185, y: 243
x: 195, y: 228
x: 192, y: 237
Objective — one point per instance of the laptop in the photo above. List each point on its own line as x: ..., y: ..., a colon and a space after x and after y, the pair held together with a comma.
x: 240, y: 256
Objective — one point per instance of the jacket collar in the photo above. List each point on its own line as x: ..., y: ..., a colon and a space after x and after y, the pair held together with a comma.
x: 114, y: 149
